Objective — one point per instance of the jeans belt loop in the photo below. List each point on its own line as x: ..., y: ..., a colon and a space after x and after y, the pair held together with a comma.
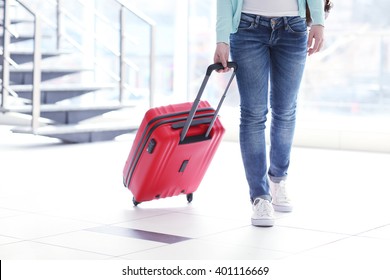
x: 285, y: 23
x: 257, y: 20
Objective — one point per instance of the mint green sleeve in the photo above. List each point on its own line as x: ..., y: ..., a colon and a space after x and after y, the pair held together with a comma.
x: 317, y: 11
x: 224, y: 20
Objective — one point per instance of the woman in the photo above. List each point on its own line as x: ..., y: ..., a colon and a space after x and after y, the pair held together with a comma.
x: 269, y: 41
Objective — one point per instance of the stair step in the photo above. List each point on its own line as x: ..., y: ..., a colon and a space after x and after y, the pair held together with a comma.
x: 46, y: 70
x: 80, y: 127
x: 18, y: 39
x: 21, y: 20
x: 67, y: 108
x: 64, y: 87
x: 25, y: 56
x: 18, y: 119
x: 24, y: 74
x: 81, y: 133
x: 28, y: 69
x: 52, y: 93
x: 73, y: 113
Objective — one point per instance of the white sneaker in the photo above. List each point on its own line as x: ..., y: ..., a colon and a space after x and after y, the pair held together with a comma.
x: 263, y: 213
x: 280, y: 199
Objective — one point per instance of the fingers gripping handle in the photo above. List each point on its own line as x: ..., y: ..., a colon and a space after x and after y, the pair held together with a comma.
x: 210, y: 69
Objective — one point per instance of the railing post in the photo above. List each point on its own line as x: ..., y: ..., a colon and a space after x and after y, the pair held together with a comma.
x: 6, y: 55
x: 36, y: 92
x: 151, y: 24
x: 121, y: 54
x: 382, y: 63
x: 59, y: 24
x: 152, y: 66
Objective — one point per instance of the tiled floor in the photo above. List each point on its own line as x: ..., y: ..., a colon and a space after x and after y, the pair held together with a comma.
x: 68, y: 202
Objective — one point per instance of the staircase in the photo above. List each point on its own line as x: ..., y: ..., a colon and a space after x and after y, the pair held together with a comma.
x: 66, y: 78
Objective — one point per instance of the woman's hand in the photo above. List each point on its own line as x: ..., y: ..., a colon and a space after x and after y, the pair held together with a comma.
x: 221, y: 55
x: 316, y: 39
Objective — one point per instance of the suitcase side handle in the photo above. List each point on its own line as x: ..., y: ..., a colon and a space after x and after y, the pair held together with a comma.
x: 210, y: 69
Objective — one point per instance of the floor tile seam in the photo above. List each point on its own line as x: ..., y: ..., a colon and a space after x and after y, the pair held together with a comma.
x: 64, y: 217
x: 204, y: 238
x: 218, y: 232
x: 13, y: 216
x: 246, y: 246
x: 323, y: 245
x: 256, y: 247
x: 224, y: 244
x: 52, y: 245
x: 36, y: 239
x: 46, y: 214
x: 208, y: 216
x: 317, y: 230
x: 22, y: 212
x: 372, y: 237
x: 139, y: 219
x: 223, y: 231
x: 360, y: 234
x: 123, y: 221
x: 145, y: 250
x: 167, y: 213
x: 253, y: 247
x: 70, y: 248
x: 47, y: 236
x: 185, y: 236
x: 13, y: 242
x: 10, y: 236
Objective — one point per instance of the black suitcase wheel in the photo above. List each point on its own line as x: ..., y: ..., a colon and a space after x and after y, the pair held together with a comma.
x: 135, y: 202
x: 190, y: 196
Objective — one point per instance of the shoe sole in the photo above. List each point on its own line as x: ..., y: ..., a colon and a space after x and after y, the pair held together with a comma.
x: 282, y: 208
x: 262, y: 223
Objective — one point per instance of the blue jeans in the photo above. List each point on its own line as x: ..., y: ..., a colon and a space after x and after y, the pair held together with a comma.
x: 271, y: 55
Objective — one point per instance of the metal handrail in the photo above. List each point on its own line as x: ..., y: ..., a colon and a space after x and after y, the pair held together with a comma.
x: 38, y: 18
x: 37, y: 56
x: 78, y: 23
x: 123, y: 62
x: 36, y: 92
x: 152, y: 39
x: 75, y: 44
x: 6, y: 55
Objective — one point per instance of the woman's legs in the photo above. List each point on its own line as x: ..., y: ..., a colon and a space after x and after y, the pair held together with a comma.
x: 249, y: 48
x: 288, y: 57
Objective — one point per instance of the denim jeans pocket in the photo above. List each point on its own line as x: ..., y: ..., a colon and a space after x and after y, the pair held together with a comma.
x: 246, y: 21
x: 297, y: 26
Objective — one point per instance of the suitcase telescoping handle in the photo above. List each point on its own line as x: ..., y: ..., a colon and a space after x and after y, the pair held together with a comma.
x: 210, y: 69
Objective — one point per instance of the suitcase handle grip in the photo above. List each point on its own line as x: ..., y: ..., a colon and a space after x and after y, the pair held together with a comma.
x: 219, y: 66
x: 210, y: 69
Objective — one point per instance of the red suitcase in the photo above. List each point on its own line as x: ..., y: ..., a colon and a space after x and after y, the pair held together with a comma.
x: 174, y: 147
